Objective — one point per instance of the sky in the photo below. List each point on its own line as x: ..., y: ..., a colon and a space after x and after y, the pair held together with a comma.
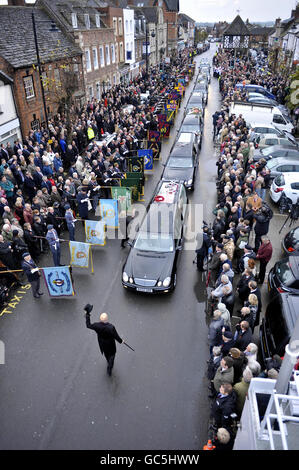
x: 225, y: 10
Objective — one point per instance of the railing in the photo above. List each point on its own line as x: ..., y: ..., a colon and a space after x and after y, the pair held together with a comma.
x: 279, y: 427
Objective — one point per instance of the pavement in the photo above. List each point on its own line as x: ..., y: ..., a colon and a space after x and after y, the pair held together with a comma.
x: 55, y: 392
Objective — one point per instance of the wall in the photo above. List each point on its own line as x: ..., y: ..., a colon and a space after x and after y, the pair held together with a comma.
x: 129, y: 30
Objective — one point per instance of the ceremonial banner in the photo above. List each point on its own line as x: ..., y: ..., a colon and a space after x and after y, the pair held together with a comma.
x: 95, y: 232
x: 109, y: 212
x: 164, y: 128
x: 135, y: 164
x: 58, y: 281
x: 154, y: 136
x: 79, y: 252
x: 123, y: 196
x: 148, y: 159
x: 156, y: 149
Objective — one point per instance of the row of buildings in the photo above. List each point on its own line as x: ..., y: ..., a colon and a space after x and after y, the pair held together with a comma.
x: 281, y: 40
x: 100, y: 43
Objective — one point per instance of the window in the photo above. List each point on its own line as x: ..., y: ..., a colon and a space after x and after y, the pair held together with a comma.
x: 87, y: 20
x: 120, y: 26
x: 131, y: 26
x: 76, y: 68
x: 74, y: 20
x: 90, y: 92
x: 121, y: 52
x: 102, y: 58
x: 285, y: 168
x: 112, y: 53
x: 87, y: 59
x: 29, y: 88
x: 98, y: 20
x: 116, y: 53
x: 278, y: 119
x: 45, y: 81
x: 95, y: 58
x: 114, y: 79
x: 107, y: 50
x: 295, y: 186
x: 127, y: 26
x: 114, y: 21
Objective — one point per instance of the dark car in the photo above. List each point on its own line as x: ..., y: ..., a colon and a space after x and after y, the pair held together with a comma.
x: 151, y: 264
x: 277, y: 326
x: 284, y: 276
x: 182, y: 169
x: 192, y: 123
x: 201, y: 86
x: 186, y: 145
x: 276, y: 151
x: 196, y: 101
x: 290, y: 243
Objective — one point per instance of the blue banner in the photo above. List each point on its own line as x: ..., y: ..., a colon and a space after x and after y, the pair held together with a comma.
x: 148, y: 159
x: 95, y: 232
x: 58, y: 281
x: 109, y: 212
x: 79, y: 254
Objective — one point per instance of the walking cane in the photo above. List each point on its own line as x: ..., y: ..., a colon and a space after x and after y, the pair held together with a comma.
x: 128, y: 346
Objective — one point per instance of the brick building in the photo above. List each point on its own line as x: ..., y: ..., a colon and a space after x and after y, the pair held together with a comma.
x: 82, y: 21
x: 18, y: 60
x: 171, y: 9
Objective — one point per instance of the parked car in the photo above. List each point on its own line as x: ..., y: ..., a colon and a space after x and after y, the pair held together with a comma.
x: 282, y: 165
x: 284, y: 276
x: 275, y: 151
x: 285, y: 185
x: 151, y: 265
x: 205, y: 72
x: 278, y: 325
x: 255, y: 88
x: 257, y: 128
x: 192, y: 123
x: 266, y: 140
x: 290, y: 243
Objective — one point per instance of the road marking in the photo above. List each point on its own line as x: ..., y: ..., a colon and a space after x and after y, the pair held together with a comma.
x: 15, y: 300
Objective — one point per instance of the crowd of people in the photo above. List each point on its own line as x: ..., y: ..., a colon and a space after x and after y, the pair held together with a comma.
x: 57, y: 175
x: 241, y: 249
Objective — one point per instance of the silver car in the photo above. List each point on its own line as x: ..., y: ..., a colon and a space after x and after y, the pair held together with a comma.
x: 282, y: 165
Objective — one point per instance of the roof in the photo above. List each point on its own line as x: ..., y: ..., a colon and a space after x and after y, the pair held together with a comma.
x: 17, y: 44
x: 171, y: 5
x: 237, y: 28
x: 260, y: 30
x: 63, y: 9
x: 5, y: 78
x: 150, y: 13
x: 185, y: 18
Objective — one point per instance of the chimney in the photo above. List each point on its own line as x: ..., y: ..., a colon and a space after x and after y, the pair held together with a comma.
x: 16, y: 3
x: 295, y: 14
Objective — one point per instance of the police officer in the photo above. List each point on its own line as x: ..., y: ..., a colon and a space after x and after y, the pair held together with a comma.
x: 203, y: 251
x: 107, y: 335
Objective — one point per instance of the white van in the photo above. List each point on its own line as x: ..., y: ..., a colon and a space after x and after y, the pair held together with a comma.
x: 267, y: 114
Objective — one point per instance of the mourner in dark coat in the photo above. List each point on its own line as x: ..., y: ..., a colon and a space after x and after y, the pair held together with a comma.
x: 107, y: 335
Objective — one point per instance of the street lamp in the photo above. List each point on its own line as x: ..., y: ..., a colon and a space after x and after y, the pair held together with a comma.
x: 146, y: 45
x: 53, y: 29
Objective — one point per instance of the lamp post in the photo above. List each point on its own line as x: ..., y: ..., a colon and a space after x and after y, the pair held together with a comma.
x: 146, y: 46
x: 53, y: 29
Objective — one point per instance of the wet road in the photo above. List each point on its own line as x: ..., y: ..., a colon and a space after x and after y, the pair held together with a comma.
x: 55, y: 393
